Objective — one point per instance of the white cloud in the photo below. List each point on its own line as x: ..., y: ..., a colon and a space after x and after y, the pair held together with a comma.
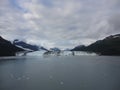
x: 62, y: 23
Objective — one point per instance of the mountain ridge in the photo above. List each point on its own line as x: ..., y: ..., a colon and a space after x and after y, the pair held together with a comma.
x: 108, y: 46
x: 7, y: 48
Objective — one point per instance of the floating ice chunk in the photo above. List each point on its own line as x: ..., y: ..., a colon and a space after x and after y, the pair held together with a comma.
x: 19, y: 78
x: 51, y: 77
x: 27, y: 78
x: 61, y: 83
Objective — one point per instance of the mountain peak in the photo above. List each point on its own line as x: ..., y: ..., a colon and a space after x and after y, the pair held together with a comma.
x: 108, y: 46
x: 117, y: 36
x: 7, y: 48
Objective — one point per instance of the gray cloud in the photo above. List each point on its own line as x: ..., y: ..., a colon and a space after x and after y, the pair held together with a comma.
x: 62, y: 23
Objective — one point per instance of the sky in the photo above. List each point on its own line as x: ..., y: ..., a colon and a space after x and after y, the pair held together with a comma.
x: 59, y: 23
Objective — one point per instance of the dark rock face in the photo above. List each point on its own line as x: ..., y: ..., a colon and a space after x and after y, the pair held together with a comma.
x: 108, y: 46
x: 8, y: 49
x: 25, y: 45
x: 42, y: 48
x: 79, y: 48
x: 55, y: 49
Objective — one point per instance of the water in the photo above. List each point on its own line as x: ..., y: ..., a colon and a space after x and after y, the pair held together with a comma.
x: 60, y: 73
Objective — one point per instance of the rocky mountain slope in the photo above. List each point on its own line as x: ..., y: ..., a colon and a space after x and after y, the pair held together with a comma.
x: 108, y: 46
x: 7, y: 48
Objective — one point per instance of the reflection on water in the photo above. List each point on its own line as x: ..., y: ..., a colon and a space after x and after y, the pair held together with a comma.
x: 60, y: 73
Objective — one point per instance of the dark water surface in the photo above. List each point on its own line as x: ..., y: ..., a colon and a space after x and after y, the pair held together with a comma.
x: 60, y: 73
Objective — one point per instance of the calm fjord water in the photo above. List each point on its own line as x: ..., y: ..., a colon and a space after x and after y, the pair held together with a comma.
x: 60, y: 73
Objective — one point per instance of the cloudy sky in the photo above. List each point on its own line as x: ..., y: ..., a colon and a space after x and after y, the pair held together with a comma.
x: 59, y: 23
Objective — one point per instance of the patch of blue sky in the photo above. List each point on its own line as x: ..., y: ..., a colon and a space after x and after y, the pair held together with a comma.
x: 16, y: 5
x: 47, y: 3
